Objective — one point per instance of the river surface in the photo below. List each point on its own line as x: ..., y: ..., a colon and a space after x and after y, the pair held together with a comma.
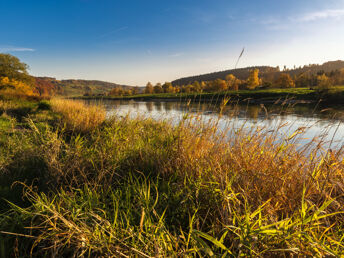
x: 326, y: 125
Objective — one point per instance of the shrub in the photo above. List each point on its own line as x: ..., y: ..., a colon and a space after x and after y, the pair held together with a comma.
x: 44, y: 105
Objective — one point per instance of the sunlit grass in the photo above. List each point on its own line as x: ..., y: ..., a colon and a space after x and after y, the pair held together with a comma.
x: 77, y: 116
x: 138, y: 187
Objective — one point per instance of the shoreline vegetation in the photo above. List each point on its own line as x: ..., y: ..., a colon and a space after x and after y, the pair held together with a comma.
x: 260, y: 96
x: 74, y: 183
x: 262, y: 85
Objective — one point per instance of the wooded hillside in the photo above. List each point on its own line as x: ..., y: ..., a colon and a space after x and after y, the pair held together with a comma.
x: 74, y: 87
x: 264, y: 71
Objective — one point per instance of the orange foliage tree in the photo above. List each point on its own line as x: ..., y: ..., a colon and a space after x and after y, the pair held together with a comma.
x: 15, y: 88
x: 44, y: 87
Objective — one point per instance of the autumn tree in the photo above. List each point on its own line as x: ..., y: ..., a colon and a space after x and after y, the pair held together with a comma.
x: 208, y: 86
x: 323, y: 82
x: 187, y: 88
x: 220, y: 85
x: 232, y: 82
x: 303, y: 80
x: 253, y: 79
x: 158, y: 88
x: 203, y: 85
x: 149, y: 88
x: 12, y: 68
x: 285, y: 81
x: 337, y: 77
x: 14, y: 78
x: 16, y: 88
x: 197, y: 86
x: 44, y: 87
x: 167, y: 87
x: 117, y: 91
x: 128, y: 92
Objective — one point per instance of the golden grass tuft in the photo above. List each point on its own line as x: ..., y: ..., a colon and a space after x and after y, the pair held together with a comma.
x: 77, y: 116
x: 260, y: 167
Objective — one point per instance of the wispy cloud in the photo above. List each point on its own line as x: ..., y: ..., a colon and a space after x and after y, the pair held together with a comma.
x: 15, y: 49
x: 273, y: 23
x: 176, y: 54
x: 114, y: 31
x: 324, y: 14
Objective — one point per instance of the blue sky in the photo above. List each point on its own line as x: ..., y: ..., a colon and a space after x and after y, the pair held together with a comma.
x: 135, y: 41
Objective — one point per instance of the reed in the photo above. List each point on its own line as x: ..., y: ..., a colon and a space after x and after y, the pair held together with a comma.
x: 77, y: 116
x: 138, y: 187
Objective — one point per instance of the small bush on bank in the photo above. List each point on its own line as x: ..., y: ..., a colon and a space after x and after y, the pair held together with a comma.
x: 44, y: 105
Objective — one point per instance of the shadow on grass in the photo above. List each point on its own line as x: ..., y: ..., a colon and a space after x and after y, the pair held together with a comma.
x: 29, y: 170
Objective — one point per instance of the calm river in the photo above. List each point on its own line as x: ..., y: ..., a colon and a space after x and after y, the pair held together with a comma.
x: 326, y: 125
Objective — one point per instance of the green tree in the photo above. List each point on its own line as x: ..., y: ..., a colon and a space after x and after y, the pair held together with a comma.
x: 12, y: 68
x: 167, y: 87
x: 158, y: 88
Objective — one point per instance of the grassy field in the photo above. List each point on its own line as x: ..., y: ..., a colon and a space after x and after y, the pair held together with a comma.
x: 76, y: 184
x: 334, y: 96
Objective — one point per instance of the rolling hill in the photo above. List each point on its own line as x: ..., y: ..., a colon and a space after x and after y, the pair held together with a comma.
x: 264, y: 71
x: 76, y: 87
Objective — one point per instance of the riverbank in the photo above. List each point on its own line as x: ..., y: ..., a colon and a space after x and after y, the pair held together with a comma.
x: 137, y: 187
x: 261, y: 96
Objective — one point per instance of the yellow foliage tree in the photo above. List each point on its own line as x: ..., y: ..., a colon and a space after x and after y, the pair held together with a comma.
x: 285, y: 81
x: 253, y: 79
x: 232, y: 82
x: 117, y: 91
x: 323, y: 82
x: 14, y: 87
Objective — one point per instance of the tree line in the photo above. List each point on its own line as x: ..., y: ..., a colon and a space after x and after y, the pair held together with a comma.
x: 321, y: 81
x: 15, y: 80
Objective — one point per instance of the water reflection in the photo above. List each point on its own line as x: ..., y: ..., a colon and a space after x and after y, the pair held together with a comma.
x: 158, y: 106
x: 328, y: 122
x: 168, y: 106
x: 149, y: 106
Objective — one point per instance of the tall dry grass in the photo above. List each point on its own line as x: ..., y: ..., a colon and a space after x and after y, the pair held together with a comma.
x: 138, y: 187
x: 77, y: 116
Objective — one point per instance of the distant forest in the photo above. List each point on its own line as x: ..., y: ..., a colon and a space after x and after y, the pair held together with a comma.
x: 265, y: 72
x: 320, y: 77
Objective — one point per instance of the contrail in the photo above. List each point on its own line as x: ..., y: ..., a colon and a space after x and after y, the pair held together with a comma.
x: 242, y: 52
